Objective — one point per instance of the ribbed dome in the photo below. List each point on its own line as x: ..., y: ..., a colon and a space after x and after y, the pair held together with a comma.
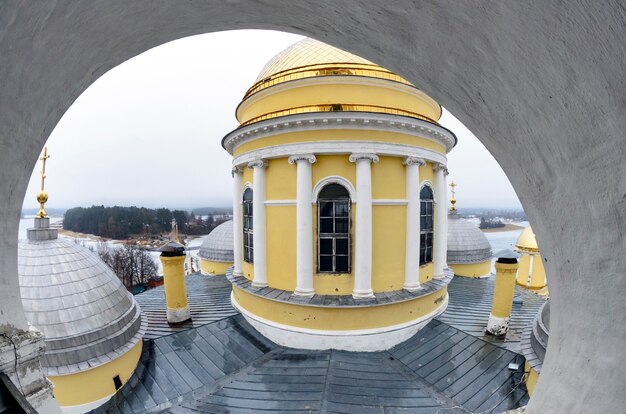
x: 311, y: 58
x: 527, y: 241
x: 218, y: 245
x: 308, y: 52
x: 466, y: 243
x: 87, y: 316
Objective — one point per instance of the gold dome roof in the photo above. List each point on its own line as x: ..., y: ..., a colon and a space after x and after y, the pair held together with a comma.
x: 527, y: 241
x: 312, y: 58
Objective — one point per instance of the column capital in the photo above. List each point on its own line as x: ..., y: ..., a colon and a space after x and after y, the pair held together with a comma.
x: 236, y: 170
x: 440, y: 166
x: 257, y: 164
x: 354, y: 157
x: 413, y: 161
x: 302, y: 157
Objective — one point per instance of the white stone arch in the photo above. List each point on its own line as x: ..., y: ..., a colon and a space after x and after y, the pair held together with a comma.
x: 334, y: 179
x: 498, y: 102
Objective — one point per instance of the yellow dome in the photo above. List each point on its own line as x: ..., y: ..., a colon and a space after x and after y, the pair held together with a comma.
x: 527, y: 241
x: 312, y: 58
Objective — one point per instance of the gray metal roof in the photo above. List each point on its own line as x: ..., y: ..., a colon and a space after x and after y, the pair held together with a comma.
x: 466, y: 243
x: 87, y: 316
x: 218, y: 245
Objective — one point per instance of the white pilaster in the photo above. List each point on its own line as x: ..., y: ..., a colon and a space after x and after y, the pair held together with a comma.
x: 237, y: 222
x: 363, y: 227
x: 304, y: 224
x: 531, y: 263
x: 412, y: 255
x: 441, y: 216
x: 258, y: 223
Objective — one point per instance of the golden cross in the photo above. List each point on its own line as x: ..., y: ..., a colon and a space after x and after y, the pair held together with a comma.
x: 453, y: 200
x: 43, y: 158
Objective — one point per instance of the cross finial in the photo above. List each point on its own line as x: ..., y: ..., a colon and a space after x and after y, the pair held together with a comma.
x: 42, y: 196
x: 453, y: 200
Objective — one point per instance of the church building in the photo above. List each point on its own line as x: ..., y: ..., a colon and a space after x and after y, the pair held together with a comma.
x: 339, y: 209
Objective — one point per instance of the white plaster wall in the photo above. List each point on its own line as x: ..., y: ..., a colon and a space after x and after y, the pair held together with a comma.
x: 541, y: 83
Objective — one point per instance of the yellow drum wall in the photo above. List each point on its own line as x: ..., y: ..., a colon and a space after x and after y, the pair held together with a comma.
x: 388, y: 247
x: 97, y: 383
x: 332, y: 319
x: 389, y: 179
x: 281, y: 246
x: 338, y: 135
x: 334, y: 94
x: 472, y: 269
x: 214, y: 268
x: 280, y: 180
x: 539, y: 274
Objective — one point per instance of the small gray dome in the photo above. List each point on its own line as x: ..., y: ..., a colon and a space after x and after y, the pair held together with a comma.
x: 87, y: 316
x: 218, y: 245
x: 466, y: 243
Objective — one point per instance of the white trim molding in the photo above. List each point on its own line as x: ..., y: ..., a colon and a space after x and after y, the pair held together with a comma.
x: 334, y: 147
x: 334, y: 179
x: 389, y: 202
x: 361, y: 340
x: 344, y: 120
x: 278, y: 203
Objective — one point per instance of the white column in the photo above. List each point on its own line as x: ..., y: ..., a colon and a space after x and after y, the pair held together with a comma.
x: 237, y: 222
x: 363, y: 227
x: 441, y: 216
x: 531, y: 262
x: 412, y: 255
x: 304, y: 224
x: 258, y: 223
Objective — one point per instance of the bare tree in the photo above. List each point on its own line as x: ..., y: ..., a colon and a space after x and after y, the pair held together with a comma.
x: 131, y: 263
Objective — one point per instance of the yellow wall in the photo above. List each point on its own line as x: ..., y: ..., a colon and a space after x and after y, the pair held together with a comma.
x: 214, y: 268
x: 330, y: 319
x: 538, y: 278
x: 281, y: 246
x: 388, y: 247
x: 388, y: 226
x: 539, y: 274
x: 472, y: 270
x: 280, y: 179
x: 522, y: 273
x: 388, y: 178
x: 175, y: 282
x: 97, y: 383
x: 334, y: 94
x: 338, y: 135
x: 532, y: 377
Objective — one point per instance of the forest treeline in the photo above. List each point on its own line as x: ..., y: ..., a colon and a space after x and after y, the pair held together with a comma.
x: 123, y: 222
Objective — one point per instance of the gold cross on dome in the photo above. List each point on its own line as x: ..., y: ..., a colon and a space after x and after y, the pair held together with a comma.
x: 43, y: 159
x: 453, y: 200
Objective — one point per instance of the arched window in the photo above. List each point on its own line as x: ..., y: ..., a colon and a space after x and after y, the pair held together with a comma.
x: 426, y: 225
x: 248, y: 247
x: 333, y: 229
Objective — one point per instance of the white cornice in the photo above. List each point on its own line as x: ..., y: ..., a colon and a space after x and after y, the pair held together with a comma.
x: 340, y: 120
x: 340, y: 147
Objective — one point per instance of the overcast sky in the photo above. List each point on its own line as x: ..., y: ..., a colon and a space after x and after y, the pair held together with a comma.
x: 148, y: 132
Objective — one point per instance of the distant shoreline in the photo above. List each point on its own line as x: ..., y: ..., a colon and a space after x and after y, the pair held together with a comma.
x: 507, y: 227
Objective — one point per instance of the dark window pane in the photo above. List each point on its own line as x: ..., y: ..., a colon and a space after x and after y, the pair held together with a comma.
x: 326, y: 208
x: 426, y: 193
x: 326, y: 225
x: 247, y: 195
x: 341, y: 225
x: 334, y: 191
x: 423, y: 222
x: 326, y: 246
x: 341, y: 209
x: 341, y: 264
x: 341, y: 246
x: 326, y: 263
